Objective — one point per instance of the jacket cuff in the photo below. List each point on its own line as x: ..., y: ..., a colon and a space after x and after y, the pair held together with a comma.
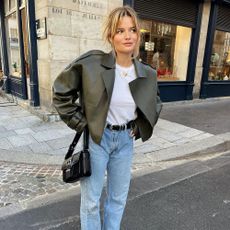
x: 77, y: 122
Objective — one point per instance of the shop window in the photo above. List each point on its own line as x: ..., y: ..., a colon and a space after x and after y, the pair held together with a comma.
x: 166, y: 48
x: 220, y: 59
x: 13, y: 45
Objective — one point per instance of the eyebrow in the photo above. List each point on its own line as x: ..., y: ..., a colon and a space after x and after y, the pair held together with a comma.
x: 118, y: 28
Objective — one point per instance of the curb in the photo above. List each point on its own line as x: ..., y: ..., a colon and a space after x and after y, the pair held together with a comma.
x: 30, y: 158
x: 213, y: 144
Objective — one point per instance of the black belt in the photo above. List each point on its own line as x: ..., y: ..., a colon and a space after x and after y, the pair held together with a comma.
x: 128, y: 125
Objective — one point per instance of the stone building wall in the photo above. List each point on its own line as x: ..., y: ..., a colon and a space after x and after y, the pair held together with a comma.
x: 201, y: 48
x: 73, y: 27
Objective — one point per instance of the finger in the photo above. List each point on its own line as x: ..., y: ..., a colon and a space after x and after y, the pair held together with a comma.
x: 131, y: 133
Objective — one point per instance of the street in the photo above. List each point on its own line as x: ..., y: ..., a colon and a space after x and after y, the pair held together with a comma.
x: 194, y: 195
x: 209, y: 115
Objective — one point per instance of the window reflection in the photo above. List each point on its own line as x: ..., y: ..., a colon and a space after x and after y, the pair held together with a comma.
x: 13, y: 45
x: 166, y: 48
x: 220, y: 58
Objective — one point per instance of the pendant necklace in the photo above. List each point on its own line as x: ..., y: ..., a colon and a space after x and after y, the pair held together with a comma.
x: 125, y: 73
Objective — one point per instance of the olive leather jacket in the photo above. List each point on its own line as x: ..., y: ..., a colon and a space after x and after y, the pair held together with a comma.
x: 93, y: 74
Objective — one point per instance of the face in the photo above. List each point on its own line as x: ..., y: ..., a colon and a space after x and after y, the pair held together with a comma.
x: 126, y: 38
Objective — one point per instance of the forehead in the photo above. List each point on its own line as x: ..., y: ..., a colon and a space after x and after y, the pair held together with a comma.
x: 126, y: 21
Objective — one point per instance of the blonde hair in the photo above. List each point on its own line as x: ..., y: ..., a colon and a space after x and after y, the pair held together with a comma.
x: 112, y: 22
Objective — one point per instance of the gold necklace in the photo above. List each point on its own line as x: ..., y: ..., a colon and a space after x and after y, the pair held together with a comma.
x: 124, y: 73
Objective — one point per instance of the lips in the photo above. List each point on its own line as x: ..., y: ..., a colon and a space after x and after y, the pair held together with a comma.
x: 128, y: 44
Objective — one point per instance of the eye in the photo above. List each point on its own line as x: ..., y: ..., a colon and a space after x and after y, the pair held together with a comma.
x: 133, y: 30
x: 119, y: 31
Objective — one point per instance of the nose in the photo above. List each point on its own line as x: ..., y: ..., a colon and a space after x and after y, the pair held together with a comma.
x: 127, y: 35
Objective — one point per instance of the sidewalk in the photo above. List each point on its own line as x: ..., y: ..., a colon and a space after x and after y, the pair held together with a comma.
x: 31, y: 152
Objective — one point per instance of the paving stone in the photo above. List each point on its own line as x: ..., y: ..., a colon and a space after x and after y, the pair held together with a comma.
x: 201, y: 136
x: 14, y: 123
x: 5, y: 144
x: 24, y: 131
x: 168, y: 135
x: 63, y: 151
x: 170, y: 126
x: 7, y: 133
x: 62, y: 142
x: 146, y: 148
x: 47, y: 135
x: 21, y: 140
x: 41, y: 147
x: 2, y: 129
x: 31, y: 120
x: 191, y: 133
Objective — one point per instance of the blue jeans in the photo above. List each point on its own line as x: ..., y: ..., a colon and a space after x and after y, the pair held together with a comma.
x: 114, y: 154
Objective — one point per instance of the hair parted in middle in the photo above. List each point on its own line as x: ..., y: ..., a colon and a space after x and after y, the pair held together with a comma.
x: 113, y: 20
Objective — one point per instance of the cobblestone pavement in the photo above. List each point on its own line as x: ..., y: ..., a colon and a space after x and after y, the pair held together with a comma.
x: 21, y: 182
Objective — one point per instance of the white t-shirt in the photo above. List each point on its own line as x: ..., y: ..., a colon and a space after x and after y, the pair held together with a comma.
x: 122, y: 106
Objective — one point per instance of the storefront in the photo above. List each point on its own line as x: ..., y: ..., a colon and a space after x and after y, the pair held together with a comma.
x: 216, y: 72
x: 18, y: 48
x: 187, y: 42
x: 170, y: 31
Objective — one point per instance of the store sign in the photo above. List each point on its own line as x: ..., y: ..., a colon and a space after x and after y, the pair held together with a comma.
x: 41, y: 28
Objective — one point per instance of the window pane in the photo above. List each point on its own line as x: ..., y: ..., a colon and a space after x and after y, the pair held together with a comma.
x: 220, y: 59
x: 166, y: 48
x: 13, y: 45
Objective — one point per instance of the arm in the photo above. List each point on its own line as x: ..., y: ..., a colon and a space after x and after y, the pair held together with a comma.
x: 66, y: 89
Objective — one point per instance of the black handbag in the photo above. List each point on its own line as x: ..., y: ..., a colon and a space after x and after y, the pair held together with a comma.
x: 77, y: 165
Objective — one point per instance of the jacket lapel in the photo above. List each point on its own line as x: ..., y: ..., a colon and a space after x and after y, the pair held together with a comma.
x: 142, y: 90
x: 108, y: 75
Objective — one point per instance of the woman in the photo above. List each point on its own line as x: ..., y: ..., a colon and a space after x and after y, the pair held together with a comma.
x: 120, y: 102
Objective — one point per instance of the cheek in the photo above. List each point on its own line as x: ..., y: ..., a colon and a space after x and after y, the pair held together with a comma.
x: 116, y: 41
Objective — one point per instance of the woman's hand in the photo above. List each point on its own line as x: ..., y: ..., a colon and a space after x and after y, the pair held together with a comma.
x: 134, y: 130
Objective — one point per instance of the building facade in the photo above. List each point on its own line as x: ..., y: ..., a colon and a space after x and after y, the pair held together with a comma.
x: 187, y: 42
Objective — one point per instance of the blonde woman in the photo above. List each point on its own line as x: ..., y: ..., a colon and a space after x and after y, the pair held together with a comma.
x: 120, y: 103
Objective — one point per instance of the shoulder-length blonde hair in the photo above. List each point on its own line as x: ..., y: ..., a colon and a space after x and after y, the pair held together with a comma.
x: 112, y: 22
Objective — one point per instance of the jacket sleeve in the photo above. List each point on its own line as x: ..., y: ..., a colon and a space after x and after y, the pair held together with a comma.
x: 158, y: 104
x: 66, y: 90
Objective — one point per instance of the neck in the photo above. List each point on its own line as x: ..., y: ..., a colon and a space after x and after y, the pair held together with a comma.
x: 124, y: 60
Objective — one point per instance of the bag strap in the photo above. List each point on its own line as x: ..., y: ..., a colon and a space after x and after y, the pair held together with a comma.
x: 72, y: 146
x: 78, y: 135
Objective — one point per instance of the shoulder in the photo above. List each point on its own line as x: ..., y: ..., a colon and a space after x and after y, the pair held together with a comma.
x: 147, y: 67
x: 90, y: 55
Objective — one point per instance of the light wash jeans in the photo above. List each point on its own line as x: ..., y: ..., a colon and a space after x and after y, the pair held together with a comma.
x: 114, y: 154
